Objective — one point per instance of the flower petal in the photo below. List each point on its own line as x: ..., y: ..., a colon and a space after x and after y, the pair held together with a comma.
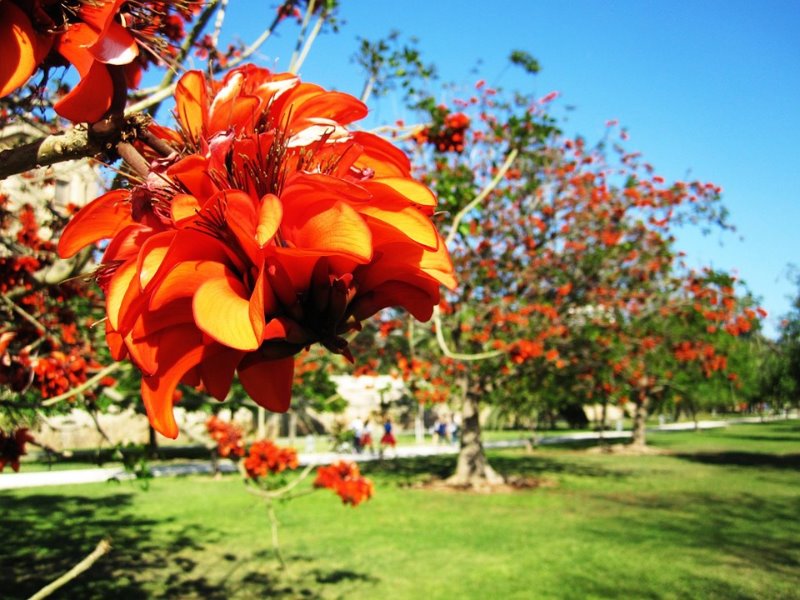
x: 179, y: 350
x: 118, y: 286
x: 116, y: 46
x: 222, y: 310
x: 21, y: 48
x: 152, y: 254
x: 268, y: 382
x: 217, y: 374
x: 88, y: 101
x: 417, y: 301
x: 400, y: 224
x: 192, y: 173
x: 191, y: 104
x: 183, y: 207
x: 100, y: 219
x: 182, y: 281
x: 382, y: 157
x: 270, y: 213
x: 326, y: 227
x: 401, y: 188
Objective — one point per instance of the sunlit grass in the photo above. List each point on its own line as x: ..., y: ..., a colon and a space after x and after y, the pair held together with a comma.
x: 715, y: 518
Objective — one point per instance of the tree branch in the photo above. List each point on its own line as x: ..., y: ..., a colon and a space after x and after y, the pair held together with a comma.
x: 437, y: 314
x: 23, y: 313
x: 501, y: 172
x: 77, y: 142
x: 84, y: 386
x: 218, y: 22
x: 69, y: 145
x: 437, y: 320
x: 103, y: 547
x: 295, y: 67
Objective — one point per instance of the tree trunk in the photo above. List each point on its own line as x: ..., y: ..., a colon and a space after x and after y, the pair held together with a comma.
x: 640, y: 424
x: 694, y: 416
x: 152, y: 443
x: 292, y: 427
x: 603, y: 416
x: 473, y: 469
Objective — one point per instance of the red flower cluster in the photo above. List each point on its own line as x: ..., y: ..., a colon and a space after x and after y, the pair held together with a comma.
x: 447, y: 135
x: 108, y: 41
x: 345, y: 479
x: 58, y: 372
x: 272, y: 228
x: 265, y: 458
x: 17, y: 271
x: 12, y: 446
x: 706, y: 354
x: 227, y: 436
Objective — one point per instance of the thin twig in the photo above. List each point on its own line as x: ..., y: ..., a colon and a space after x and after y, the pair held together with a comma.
x: 223, y: 5
x: 307, y: 46
x: 168, y: 85
x: 152, y: 100
x: 368, y: 85
x: 437, y: 315
x: 275, y: 494
x: 437, y: 321
x: 93, y: 414
x: 103, y: 547
x: 169, y: 77
x: 273, y: 521
x: 501, y: 173
x: 84, y: 386
x: 302, y: 34
x: 23, y: 313
x: 257, y: 43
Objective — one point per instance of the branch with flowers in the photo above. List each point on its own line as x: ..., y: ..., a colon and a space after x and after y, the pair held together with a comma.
x: 269, y: 471
x: 265, y: 223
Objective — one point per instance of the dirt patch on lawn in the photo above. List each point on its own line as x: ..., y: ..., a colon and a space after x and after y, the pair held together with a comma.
x: 627, y: 450
x: 507, y: 486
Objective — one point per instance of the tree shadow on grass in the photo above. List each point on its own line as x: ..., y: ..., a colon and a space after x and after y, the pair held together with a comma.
x: 539, y: 466
x: 750, y: 530
x: 744, y: 459
x: 262, y: 579
x: 46, y: 534
x: 414, y: 469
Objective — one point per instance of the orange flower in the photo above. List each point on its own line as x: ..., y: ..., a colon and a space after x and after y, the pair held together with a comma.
x: 265, y: 458
x: 227, y: 436
x: 345, y: 479
x: 273, y: 229
x: 12, y: 446
x: 100, y: 38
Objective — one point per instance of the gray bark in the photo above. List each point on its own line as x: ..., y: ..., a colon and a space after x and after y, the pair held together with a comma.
x: 640, y: 424
x: 473, y: 468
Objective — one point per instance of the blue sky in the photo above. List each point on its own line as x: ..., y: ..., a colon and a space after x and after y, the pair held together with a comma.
x: 708, y: 90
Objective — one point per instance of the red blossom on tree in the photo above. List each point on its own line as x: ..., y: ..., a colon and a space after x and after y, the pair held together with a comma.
x: 261, y: 236
x: 345, y: 479
x: 265, y: 458
x: 109, y: 42
x: 12, y: 446
x: 228, y: 436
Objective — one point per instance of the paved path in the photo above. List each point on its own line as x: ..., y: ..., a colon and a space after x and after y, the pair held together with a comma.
x: 99, y: 475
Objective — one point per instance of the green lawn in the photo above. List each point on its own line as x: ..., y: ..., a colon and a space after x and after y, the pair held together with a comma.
x: 715, y: 518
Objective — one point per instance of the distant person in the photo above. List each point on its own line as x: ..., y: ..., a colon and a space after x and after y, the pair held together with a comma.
x: 366, y: 437
x: 357, y: 429
x: 440, y: 431
x: 388, y: 438
x: 452, y: 430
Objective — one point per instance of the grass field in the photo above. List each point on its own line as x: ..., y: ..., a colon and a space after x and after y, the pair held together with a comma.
x: 717, y: 517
